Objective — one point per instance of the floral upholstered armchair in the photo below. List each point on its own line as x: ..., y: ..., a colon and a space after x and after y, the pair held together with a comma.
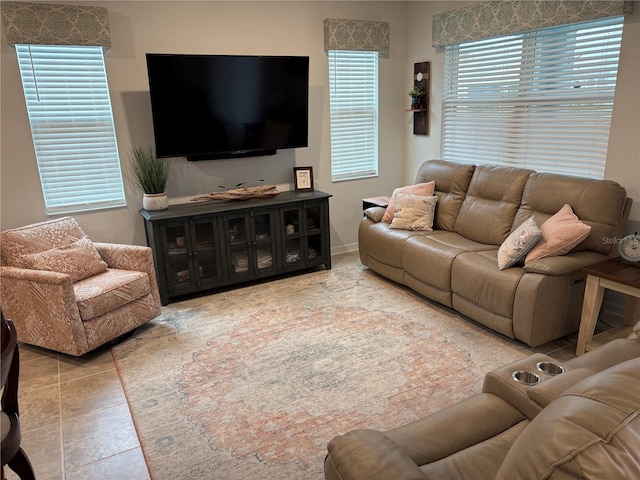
x: 68, y: 294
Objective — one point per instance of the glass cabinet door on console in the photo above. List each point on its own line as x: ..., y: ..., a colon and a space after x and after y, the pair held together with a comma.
x: 304, y: 234
x: 191, y: 256
x: 250, y: 238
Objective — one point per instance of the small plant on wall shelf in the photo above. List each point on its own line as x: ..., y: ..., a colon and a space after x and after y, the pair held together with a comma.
x: 416, y: 94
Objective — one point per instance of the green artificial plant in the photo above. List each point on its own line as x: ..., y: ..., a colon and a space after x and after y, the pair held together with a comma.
x: 150, y: 173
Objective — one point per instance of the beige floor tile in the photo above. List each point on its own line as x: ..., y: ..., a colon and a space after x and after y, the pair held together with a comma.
x: 39, y: 408
x: 89, y: 364
x: 91, y: 393
x: 98, y: 435
x: 38, y: 373
x: 43, y: 447
x: 126, y: 465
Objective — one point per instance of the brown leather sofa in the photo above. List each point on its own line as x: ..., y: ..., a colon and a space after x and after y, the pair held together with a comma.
x: 477, y: 208
x: 583, y: 423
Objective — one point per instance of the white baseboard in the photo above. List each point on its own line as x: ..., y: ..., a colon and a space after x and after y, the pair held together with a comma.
x: 352, y: 247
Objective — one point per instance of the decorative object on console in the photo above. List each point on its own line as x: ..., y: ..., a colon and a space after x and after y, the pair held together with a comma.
x: 151, y: 174
x: 303, y: 178
x: 241, y: 193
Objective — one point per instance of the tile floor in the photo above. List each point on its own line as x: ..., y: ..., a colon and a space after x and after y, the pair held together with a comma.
x: 76, y: 423
x: 75, y: 419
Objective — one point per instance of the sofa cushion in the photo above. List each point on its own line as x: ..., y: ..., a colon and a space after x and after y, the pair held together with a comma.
x: 493, y: 198
x: 16, y: 243
x: 592, y: 431
x: 424, y: 189
x: 598, y: 203
x: 386, y: 244
x: 413, y: 212
x: 518, y: 244
x: 430, y: 258
x: 452, y: 181
x: 476, y: 278
x: 79, y: 260
x: 107, y: 291
x: 560, y: 234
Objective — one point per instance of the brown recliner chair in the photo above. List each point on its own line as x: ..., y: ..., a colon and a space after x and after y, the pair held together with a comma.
x: 69, y: 294
x: 582, y: 423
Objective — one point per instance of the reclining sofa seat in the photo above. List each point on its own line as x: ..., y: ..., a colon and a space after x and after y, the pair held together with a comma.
x: 477, y: 208
x: 583, y: 423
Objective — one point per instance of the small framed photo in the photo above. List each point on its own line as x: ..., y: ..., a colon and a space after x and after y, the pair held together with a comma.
x: 303, y: 178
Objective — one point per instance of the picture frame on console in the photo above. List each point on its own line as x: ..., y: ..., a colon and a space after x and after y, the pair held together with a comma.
x: 303, y: 178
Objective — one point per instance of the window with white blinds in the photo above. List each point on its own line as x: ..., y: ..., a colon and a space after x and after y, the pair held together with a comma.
x: 69, y: 107
x: 353, y: 98
x: 539, y: 100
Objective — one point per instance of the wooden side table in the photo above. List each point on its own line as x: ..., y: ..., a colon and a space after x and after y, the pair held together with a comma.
x: 375, y: 202
x: 613, y: 274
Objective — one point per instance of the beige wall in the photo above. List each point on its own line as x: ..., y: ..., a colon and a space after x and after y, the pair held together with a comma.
x: 265, y: 28
x: 274, y: 28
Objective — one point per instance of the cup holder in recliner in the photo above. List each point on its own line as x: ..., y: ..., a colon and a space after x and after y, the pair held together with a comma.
x: 550, y: 368
x: 525, y: 377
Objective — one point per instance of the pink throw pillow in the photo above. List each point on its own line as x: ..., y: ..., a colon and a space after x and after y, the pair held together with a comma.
x: 79, y: 260
x: 560, y: 233
x: 421, y: 189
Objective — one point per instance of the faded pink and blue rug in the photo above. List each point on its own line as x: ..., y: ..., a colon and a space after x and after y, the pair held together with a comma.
x: 252, y: 383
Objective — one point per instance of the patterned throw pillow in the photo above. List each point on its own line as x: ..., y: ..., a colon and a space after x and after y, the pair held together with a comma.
x: 423, y: 189
x: 518, y: 244
x: 560, y: 233
x: 413, y: 212
x: 79, y: 260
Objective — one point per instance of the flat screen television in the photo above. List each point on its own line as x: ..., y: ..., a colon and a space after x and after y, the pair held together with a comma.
x: 228, y: 106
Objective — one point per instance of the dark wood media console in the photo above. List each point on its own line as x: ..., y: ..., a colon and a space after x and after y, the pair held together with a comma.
x: 206, y: 245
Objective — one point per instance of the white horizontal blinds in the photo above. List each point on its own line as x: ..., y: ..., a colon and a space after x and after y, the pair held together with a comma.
x: 69, y: 109
x: 539, y: 100
x: 353, y: 94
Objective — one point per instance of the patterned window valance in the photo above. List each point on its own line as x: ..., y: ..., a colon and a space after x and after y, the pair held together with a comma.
x: 55, y: 24
x: 360, y: 35
x: 491, y: 19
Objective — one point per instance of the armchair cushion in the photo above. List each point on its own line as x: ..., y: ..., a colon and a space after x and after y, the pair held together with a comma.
x: 78, y: 259
x: 107, y: 291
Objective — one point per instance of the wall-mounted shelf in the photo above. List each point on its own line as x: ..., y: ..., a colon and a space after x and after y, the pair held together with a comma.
x: 421, y: 78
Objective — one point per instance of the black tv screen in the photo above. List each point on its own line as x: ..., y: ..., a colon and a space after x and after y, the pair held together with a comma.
x: 226, y: 106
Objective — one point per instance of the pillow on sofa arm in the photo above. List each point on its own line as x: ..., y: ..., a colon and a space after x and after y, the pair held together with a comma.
x: 414, y: 212
x: 518, y: 244
x: 560, y: 233
x: 79, y: 260
x: 423, y: 189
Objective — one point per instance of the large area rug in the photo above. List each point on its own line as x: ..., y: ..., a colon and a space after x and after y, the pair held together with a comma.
x: 253, y: 382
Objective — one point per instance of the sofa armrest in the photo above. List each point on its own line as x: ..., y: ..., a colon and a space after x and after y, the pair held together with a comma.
x: 564, y: 264
x: 466, y: 423
x: 131, y: 257
x: 124, y: 257
x: 368, y: 455
x: 43, y: 307
x: 375, y: 213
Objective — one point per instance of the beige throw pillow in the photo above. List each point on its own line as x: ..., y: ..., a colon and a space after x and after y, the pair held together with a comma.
x: 79, y: 260
x: 560, y: 233
x: 518, y: 244
x: 422, y: 189
x: 413, y: 212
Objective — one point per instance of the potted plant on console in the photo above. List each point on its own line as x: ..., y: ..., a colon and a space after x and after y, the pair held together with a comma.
x: 151, y: 174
